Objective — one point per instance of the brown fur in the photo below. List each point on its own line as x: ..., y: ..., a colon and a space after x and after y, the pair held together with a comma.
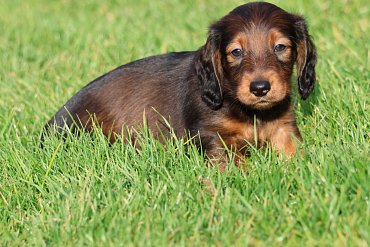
x: 211, y: 92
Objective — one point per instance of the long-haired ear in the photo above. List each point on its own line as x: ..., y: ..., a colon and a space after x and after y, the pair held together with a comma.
x: 209, y: 71
x: 306, y: 59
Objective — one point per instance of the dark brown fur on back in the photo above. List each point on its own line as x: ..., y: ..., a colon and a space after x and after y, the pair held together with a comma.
x: 238, y: 81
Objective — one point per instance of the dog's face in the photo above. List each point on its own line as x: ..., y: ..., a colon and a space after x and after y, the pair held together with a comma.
x: 258, y: 63
x: 250, y: 54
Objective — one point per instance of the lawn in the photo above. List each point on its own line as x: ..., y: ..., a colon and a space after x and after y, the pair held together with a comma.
x: 84, y: 192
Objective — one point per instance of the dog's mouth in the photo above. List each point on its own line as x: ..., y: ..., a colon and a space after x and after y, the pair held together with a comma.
x: 263, y: 104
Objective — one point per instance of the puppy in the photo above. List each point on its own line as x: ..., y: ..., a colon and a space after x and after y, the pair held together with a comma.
x: 233, y: 91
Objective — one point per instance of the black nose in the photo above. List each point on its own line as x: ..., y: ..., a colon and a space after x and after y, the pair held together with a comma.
x: 260, y: 88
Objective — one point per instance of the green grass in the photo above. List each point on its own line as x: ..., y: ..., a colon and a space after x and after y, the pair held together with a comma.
x: 85, y: 192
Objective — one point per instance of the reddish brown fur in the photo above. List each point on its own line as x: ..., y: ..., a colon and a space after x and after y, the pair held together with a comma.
x: 211, y: 92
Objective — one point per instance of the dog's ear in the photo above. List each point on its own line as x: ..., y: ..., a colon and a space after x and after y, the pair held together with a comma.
x: 306, y: 58
x: 210, y: 72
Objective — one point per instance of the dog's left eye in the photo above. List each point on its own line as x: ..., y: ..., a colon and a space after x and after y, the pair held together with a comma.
x: 279, y: 48
x: 237, y: 53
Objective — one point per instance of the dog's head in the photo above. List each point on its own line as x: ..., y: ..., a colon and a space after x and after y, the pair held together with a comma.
x: 250, y: 54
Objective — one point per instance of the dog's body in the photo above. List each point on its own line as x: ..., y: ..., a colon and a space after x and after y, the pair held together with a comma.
x: 121, y: 97
x: 237, y: 82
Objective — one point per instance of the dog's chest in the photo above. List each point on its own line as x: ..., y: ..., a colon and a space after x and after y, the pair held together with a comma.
x: 237, y: 134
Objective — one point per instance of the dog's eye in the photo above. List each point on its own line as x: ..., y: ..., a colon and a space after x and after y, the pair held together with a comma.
x: 237, y: 53
x: 279, y: 48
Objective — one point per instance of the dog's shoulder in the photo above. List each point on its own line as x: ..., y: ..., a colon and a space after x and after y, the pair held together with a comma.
x: 159, y: 61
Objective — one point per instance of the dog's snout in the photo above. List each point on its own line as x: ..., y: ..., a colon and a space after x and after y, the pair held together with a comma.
x: 260, y: 88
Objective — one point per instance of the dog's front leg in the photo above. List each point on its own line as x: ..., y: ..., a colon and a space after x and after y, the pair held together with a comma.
x: 215, y: 150
x: 285, y: 139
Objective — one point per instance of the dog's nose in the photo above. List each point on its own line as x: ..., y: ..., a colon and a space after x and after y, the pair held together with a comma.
x: 260, y: 88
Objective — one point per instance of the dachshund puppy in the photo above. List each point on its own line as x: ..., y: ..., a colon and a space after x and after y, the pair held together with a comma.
x: 233, y: 91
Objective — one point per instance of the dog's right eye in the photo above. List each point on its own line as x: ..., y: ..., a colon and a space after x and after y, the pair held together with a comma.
x: 279, y: 48
x: 237, y: 53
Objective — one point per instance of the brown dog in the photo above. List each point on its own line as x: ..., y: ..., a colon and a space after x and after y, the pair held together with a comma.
x: 238, y: 82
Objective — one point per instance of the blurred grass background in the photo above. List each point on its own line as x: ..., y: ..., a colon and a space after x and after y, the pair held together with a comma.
x: 84, y: 192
